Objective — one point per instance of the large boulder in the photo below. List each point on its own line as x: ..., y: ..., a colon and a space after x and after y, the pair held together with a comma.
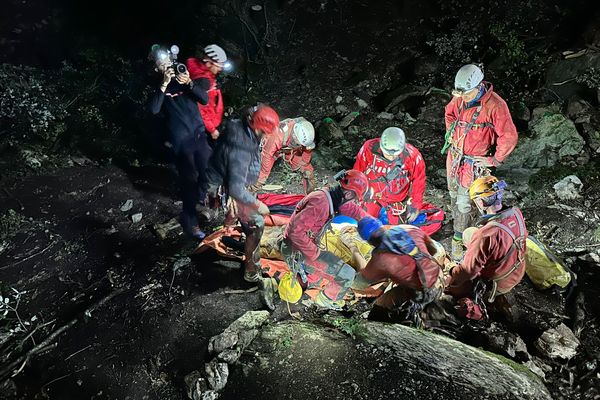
x: 296, y: 360
x: 562, y: 76
x: 553, y: 138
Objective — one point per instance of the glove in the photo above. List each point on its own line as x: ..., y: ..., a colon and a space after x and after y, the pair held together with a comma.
x: 256, y: 187
x: 262, y: 208
x: 411, y: 213
x: 486, y: 161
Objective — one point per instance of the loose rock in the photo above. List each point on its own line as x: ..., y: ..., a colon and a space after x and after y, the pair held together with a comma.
x: 230, y: 355
x: 347, y: 120
x: 568, y: 188
x: 250, y: 320
x: 559, y: 342
x: 385, y: 115
x: 507, y: 343
x: 216, y: 374
x: 223, y: 341
x: 195, y: 384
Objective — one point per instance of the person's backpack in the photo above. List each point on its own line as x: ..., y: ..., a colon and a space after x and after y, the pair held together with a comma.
x: 544, y: 268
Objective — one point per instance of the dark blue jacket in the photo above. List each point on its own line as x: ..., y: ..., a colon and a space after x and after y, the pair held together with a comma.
x: 178, y: 104
x: 235, y: 162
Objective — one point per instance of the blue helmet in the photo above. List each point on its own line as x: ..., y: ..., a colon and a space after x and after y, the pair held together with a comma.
x: 367, y: 226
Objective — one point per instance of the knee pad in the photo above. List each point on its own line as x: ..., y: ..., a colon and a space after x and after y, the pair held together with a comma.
x: 463, y: 204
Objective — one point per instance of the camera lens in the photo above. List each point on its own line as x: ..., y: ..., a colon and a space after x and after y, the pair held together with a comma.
x: 181, y: 68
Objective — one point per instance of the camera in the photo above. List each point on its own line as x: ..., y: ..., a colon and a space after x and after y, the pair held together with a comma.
x: 179, y: 68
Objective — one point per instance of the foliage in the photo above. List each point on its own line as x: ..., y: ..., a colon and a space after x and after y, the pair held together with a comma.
x: 597, y: 234
x: 512, y: 48
x: 349, y: 326
x: 30, y: 107
x: 10, y: 222
x: 455, y: 48
x: 590, y: 78
x: 10, y: 298
x: 96, y: 102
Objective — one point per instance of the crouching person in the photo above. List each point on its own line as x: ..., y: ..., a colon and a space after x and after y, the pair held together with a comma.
x: 235, y: 165
x: 307, y: 224
x: 494, y: 262
x: 409, y: 258
x: 293, y: 142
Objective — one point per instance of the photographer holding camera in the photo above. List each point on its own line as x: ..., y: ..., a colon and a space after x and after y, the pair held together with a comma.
x: 176, y: 99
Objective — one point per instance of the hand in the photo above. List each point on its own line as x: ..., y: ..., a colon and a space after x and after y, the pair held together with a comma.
x: 411, y: 213
x: 167, y: 76
x: 256, y: 187
x: 184, y: 78
x: 485, y: 161
x: 215, y: 134
x: 448, y: 266
x: 262, y: 208
x: 346, y: 236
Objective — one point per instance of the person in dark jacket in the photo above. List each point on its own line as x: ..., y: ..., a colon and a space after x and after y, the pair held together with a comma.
x: 177, y: 98
x: 235, y: 165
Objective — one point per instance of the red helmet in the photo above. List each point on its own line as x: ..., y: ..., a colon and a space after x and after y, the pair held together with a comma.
x: 263, y: 118
x: 356, y: 181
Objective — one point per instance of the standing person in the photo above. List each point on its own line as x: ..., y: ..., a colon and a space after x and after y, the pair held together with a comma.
x: 212, y: 63
x: 235, y: 165
x: 294, y: 143
x: 176, y: 97
x: 396, y: 172
x: 494, y: 262
x: 307, y: 224
x: 480, y: 134
x: 409, y: 258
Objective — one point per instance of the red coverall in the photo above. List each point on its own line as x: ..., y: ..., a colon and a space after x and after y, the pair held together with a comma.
x: 303, y: 232
x: 492, y: 135
x: 393, y: 195
x: 492, y: 256
x: 212, y: 112
x: 402, y: 270
x: 281, y: 145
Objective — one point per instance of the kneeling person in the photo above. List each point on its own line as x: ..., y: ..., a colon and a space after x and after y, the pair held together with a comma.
x: 494, y: 262
x: 307, y: 224
x: 409, y: 258
x: 396, y: 172
x: 294, y: 142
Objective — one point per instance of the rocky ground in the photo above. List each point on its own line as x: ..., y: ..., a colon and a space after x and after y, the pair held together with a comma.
x: 100, y: 298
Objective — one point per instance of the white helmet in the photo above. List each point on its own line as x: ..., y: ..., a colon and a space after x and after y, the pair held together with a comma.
x: 468, y: 78
x: 392, y: 141
x: 215, y: 53
x: 304, y: 133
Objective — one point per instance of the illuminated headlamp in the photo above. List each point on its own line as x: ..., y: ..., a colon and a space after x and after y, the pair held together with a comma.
x: 458, y: 92
x: 227, y: 66
x: 162, y: 55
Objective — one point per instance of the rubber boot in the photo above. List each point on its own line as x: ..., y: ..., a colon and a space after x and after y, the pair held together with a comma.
x: 267, y: 289
x: 458, y: 250
x: 253, y: 231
